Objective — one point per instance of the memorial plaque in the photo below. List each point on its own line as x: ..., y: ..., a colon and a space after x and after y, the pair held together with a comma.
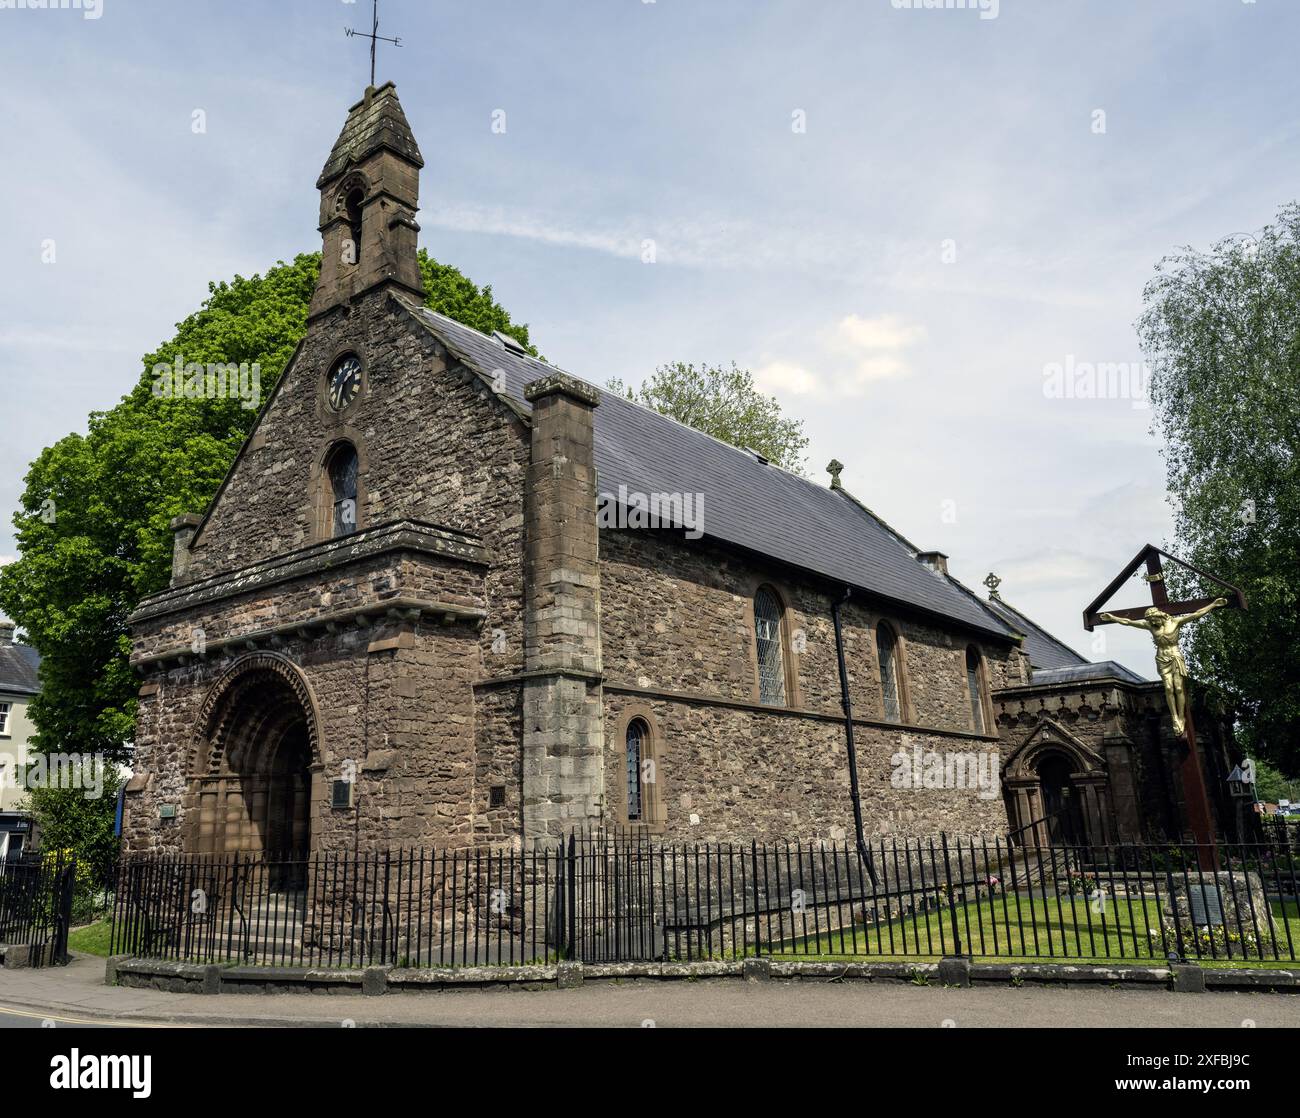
x: 1206, y: 904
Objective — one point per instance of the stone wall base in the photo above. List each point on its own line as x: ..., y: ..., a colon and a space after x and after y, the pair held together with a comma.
x: 197, y: 978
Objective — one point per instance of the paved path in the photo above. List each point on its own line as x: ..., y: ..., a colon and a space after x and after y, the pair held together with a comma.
x: 76, y: 994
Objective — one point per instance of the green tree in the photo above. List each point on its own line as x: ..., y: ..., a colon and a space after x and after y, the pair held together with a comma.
x: 1272, y: 785
x: 724, y: 403
x: 92, y: 530
x: 67, y: 820
x: 1221, y: 330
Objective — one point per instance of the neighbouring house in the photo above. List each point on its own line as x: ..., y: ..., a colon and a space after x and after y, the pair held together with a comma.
x: 19, y: 664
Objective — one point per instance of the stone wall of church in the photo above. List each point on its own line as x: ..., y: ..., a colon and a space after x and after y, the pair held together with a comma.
x: 679, y: 646
x: 726, y: 774
x: 370, y: 582
x: 679, y: 617
x: 396, y: 715
x: 498, y: 734
x: 468, y: 472
x: 393, y: 698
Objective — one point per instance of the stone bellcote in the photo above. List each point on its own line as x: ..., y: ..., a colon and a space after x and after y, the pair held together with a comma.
x: 369, y: 195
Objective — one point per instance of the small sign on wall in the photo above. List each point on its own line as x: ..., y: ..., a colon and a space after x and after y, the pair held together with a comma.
x: 166, y: 811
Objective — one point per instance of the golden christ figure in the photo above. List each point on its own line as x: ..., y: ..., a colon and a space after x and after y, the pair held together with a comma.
x: 1163, y: 628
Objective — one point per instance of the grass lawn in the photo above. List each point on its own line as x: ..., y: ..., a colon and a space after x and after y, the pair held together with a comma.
x: 1014, y: 928
x: 92, y: 939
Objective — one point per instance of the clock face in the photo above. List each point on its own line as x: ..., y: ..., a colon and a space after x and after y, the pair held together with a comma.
x: 345, y: 381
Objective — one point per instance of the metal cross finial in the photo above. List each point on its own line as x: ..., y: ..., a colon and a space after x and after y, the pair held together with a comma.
x: 374, y: 38
x: 992, y: 582
x: 834, y: 469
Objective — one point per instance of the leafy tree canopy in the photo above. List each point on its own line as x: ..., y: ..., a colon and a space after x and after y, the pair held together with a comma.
x: 724, y: 403
x: 68, y: 820
x: 93, y: 529
x: 1221, y: 330
x: 1271, y: 785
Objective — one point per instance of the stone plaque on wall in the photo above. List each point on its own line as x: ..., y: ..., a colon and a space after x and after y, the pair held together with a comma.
x: 1206, y: 903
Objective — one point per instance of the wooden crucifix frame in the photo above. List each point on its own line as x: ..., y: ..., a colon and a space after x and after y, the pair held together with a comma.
x: 1162, y: 619
x: 1155, y: 577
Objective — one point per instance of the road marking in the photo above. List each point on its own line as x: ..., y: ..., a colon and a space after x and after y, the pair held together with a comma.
x: 87, y: 1021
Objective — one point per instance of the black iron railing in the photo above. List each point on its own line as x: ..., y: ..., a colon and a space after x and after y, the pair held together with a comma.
x: 615, y: 899
x: 36, y: 896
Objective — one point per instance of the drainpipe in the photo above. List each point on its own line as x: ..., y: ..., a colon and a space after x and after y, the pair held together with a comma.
x: 854, y: 794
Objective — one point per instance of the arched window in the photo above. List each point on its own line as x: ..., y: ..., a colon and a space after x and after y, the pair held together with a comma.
x: 975, y: 684
x: 352, y: 206
x: 890, y: 687
x: 343, y: 489
x: 638, y: 734
x: 771, y: 662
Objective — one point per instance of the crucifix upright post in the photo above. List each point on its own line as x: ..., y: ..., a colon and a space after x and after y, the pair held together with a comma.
x: 1163, y: 620
x: 1195, y: 795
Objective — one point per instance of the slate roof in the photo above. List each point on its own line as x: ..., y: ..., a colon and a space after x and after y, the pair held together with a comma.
x: 1079, y: 673
x: 378, y: 123
x: 18, y: 664
x: 1054, y: 661
x: 1045, y: 651
x: 747, y: 503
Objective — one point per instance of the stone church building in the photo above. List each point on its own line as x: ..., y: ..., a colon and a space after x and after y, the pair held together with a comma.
x: 426, y: 608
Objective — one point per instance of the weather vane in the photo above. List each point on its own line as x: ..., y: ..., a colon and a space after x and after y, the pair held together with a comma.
x: 374, y: 37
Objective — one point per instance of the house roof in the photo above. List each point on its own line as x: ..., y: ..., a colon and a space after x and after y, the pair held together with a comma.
x: 18, y: 668
x: 746, y: 502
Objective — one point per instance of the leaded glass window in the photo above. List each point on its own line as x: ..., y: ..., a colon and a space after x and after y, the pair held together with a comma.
x: 636, y: 735
x: 887, y: 653
x: 976, y: 691
x: 767, y: 629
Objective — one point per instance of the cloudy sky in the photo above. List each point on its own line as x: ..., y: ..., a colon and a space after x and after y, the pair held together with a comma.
x: 901, y: 220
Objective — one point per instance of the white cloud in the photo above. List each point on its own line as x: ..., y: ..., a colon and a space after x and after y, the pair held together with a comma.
x: 501, y: 221
x: 852, y: 354
x: 887, y: 332
x: 787, y: 377
x: 707, y: 241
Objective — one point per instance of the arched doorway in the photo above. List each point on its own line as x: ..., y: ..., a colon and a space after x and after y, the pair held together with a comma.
x: 253, y: 763
x: 1057, y: 789
x: 1061, y: 803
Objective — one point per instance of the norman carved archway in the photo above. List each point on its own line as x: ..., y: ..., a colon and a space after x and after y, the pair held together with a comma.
x: 1057, y: 789
x: 254, y: 762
